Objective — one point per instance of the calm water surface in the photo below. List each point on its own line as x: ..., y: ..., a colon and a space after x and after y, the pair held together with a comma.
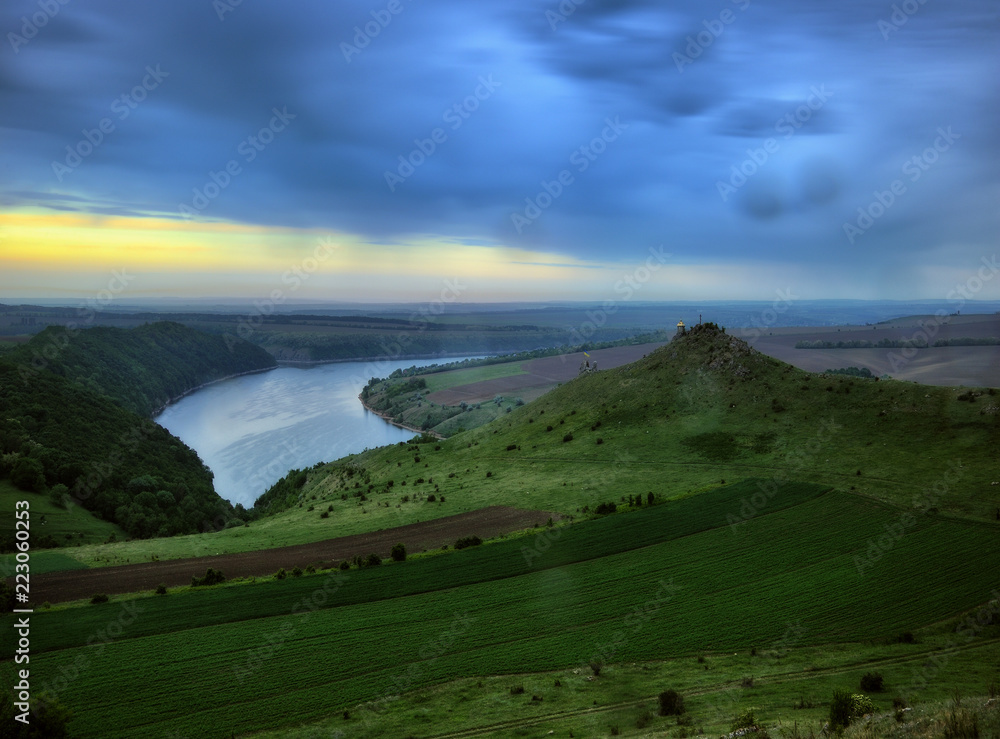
x: 251, y: 430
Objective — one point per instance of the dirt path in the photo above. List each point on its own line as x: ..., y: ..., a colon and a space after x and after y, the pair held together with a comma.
x: 56, y: 587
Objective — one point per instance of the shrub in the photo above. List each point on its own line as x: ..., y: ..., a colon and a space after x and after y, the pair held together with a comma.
x: 516, y: 689
x: 212, y: 577
x: 398, y: 553
x: 373, y: 560
x: 161, y: 589
x: 871, y: 682
x: 511, y: 447
x: 297, y: 572
x: 600, y: 440
x: 746, y: 720
x: 280, y: 574
x: 596, y: 666
x: 345, y: 565
x: 671, y: 703
x: 431, y: 498
x: 325, y: 514
x: 468, y: 541
x: 605, y: 508
x: 567, y: 437
x: 845, y: 707
x: 99, y: 598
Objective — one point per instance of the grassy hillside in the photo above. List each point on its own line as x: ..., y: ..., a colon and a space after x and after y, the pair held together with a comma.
x: 664, y: 582
x: 704, y: 409
x: 141, y: 368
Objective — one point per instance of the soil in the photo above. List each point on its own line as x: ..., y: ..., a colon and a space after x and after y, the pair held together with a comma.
x: 57, y: 587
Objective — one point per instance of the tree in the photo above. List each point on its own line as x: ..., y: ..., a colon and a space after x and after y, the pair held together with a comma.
x: 399, y: 553
x: 59, y: 494
x: 28, y: 475
x: 671, y: 703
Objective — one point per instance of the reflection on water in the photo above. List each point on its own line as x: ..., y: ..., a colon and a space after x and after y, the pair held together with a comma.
x: 251, y: 430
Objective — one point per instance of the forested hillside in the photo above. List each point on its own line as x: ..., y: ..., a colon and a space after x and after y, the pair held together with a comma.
x: 141, y: 368
x: 74, y: 424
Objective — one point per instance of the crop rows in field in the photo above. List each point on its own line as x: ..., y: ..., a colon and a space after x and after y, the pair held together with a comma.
x: 713, y: 590
x: 550, y: 548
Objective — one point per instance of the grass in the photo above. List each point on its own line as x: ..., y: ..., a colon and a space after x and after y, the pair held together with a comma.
x: 698, y: 590
x: 71, y: 527
x: 691, y: 414
x: 444, y: 380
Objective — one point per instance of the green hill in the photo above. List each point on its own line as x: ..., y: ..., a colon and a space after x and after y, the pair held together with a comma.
x: 142, y: 368
x: 703, y: 409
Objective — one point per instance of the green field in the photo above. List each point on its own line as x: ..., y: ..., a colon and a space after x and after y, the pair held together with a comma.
x: 444, y: 380
x: 700, y: 585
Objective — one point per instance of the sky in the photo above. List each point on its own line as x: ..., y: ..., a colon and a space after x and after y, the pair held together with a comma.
x: 407, y: 150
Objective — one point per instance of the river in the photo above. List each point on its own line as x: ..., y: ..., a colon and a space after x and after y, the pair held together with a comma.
x: 251, y: 430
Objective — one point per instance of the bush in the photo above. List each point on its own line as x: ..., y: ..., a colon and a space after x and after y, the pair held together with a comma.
x: 212, y: 577
x: 398, y: 553
x: 325, y: 514
x: 99, y: 598
x: 280, y: 574
x: 605, y: 508
x: 671, y: 703
x: 431, y: 498
x: 841, y: 710
x: 297, y: 572
x: 373, y: 560
x: 596, y: 666
x: 845, y: 707
x: 468, y: 541
x: 28, y: 474
x: 345, y: 565
x: 567, y: 437
x: 161, y: 589
x: 516, y: 689
x: 746, y: 720
x: 871, y: 682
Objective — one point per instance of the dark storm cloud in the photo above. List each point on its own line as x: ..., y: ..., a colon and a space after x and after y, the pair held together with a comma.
x: 700, y: 88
